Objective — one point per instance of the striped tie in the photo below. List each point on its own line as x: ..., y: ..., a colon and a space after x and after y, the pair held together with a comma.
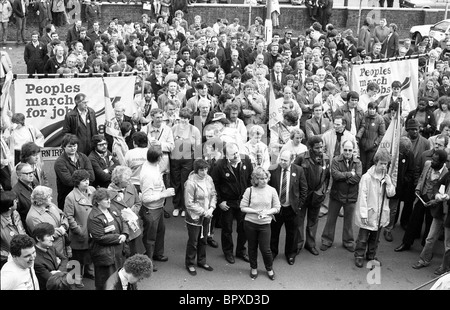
x: 283, y: 187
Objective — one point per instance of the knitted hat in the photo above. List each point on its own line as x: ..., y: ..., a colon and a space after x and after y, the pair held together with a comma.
x: 412, y: 124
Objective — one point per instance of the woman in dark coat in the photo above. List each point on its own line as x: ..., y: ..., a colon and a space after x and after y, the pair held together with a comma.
x: 109, y: 234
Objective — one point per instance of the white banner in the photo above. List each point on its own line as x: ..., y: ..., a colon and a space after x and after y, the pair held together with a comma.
x: 45, y: 103
x: 384, y: 73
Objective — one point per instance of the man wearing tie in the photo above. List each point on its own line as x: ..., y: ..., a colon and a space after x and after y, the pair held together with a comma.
x: 290, y: 182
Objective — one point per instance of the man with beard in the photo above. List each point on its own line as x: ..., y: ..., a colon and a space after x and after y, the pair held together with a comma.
x: 316, y: 165
x: 103, y: 162
x: 427, y: 187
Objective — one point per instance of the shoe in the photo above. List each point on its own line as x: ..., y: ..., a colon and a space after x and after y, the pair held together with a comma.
x: 271, y: 274
x: 324, y: 247
x: 191, y: 270
x: 160, y: 258
x: 89, y: 276
x: 419, y: 265
x: 230, y: 258
x: 79, y: 285
x: 211, y: 242
x: 291, y: 260
x: 166, y: 214
x: 244, y: 257
x: 206, y: 267
x: 154, y: 268
x: 322, y: 214
x: 341, y: 212
x: 253, y: 275
x: 388, y: 236
x: 313, y: 250
x: 176, y: 212
x: 359, y: 262
x: 350, y: 248
x: 402, y: 247
x: 183, y: 213
x: 440, y: 271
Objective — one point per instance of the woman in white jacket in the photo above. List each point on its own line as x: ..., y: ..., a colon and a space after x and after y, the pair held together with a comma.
x: 372, y: 203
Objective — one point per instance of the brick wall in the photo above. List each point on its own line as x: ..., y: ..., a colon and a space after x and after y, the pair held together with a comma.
x: 292, y: 16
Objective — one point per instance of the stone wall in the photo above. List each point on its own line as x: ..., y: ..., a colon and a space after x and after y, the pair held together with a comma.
x: 291, y: 16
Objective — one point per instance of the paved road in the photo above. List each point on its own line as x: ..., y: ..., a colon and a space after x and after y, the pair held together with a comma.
x: 331, y: 270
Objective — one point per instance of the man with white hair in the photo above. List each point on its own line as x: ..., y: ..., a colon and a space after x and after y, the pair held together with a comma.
x: 116, y: 121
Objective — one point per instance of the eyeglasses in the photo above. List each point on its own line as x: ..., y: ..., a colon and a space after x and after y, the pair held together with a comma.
x: 27, y: 173
x: 348, y: 150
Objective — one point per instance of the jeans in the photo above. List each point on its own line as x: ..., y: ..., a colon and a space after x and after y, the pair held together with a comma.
x: 290, y: 220
x: 196, y: 246
x: 330, y: 226
x: 154, y: 231
x: 180, y: 169
x: 312, y: 212
x: 20, y: 23
x: 258, y: 235
x: 4, y: 31
x: 227, y: 229
x: 366, y: 244
x: 427, y: 252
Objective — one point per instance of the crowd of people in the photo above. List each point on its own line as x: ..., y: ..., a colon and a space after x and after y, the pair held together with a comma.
x: 200, y: 139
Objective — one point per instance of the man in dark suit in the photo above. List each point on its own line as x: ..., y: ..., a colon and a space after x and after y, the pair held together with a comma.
x: 156, y: 79
x: 290, y: 182
x: 102, y: 161
x: 20, y: 11
x: 48, y: 261
x: 44, y: 12
x: 81, y: 122
x: 23, y: 189
x: 231, y: 176
x: 277, y: 74
x: 350, y: 48
x: 135, y: 268
x: 390, y: 45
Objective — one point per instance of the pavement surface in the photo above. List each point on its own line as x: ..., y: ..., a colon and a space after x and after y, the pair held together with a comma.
x: 333, y: 269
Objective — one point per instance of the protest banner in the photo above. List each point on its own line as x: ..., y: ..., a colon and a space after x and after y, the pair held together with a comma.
x: 384, y: 73
x: 45, y: 103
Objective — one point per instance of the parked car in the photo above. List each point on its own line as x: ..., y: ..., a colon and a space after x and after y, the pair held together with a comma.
x: 436, y: 31
x: 424, y: 4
